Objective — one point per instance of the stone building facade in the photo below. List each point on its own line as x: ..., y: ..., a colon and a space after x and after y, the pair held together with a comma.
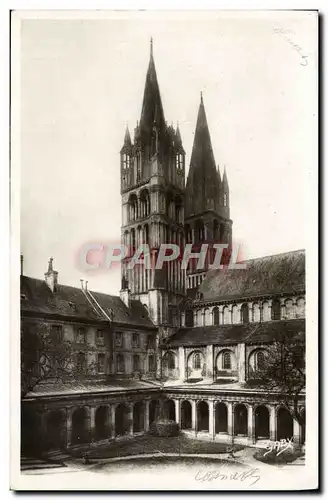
x: 185, y: 343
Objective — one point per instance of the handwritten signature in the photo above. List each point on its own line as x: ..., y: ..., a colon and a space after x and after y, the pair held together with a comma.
x: 285, y: 34
x: 249, y: 475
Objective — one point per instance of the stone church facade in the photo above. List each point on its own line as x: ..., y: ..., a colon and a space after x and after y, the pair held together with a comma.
x: 184, y: 341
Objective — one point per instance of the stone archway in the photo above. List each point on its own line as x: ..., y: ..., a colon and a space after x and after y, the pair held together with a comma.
x: 285, y: 424
x: 262, y: 422
x: 202, y: 416
x: 169, y: 409
x: 240, y: 420
x: 138, y: 416
x: 221, y: 418
x: 122, y: 424
x: 80, y: 426
x: 186, y: 415
x: 101, y: 423
x: 56, y: 430
x: 154, y: 410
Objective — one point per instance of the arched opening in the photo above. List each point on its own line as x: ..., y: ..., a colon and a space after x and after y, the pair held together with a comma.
x: 300, y: 308
x: 133, y: 207
x: 207, y: 317
x: 275, y: 310
x: 262, y: 425
x: 154, y: 410
x: 186, y: 422
x: 101, y: 423
x: 235, y: 314
x: 221, y: 418
x: 138, y: 416
x: 266, y: 311
x: 256, y: 313
x: 226, y: 316
x: 202, y: 416
x: 144, y: 203
x: 244, y: 313
x: 80, y: 426
x: 196, y: 366
x: 169, y: 409
x: 122, y: 424
x: 240, y: 420
x: 56, y: 430
x: 216, y: 316
x: 189, y: 317
x: 289, y: 309
x: 285, y: 424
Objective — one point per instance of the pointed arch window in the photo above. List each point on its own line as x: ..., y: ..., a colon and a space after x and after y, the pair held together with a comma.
x: 225, y: 200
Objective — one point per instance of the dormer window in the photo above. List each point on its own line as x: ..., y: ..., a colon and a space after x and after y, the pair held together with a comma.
x: 225, y: 200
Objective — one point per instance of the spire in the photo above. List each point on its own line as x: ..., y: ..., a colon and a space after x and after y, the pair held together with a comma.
x: 202, y: 183
x: 127, y: 145
x: 219, y: 175
x: 127, y: 137
x: 225, y: 179
x: 152, y: 109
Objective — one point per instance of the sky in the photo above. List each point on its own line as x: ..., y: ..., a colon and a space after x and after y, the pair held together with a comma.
x: 82, y: 82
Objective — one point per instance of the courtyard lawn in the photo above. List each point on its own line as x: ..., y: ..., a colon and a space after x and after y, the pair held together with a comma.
x: 152, y: 444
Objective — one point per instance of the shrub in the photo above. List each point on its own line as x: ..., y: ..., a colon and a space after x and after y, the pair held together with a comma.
x: 164, y: 428
x: 287, y: 456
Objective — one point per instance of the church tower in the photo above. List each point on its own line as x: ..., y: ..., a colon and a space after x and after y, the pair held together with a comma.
x: 152, y: 189
x: 207, y: 204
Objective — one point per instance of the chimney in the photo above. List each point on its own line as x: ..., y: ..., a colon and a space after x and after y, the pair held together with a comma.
x: 51, y: 276
x: 22, y: 265
x: 125, y: 292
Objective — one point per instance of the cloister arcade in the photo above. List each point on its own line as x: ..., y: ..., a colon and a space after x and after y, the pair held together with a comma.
x: 213, y: 419
x: 246, y: 312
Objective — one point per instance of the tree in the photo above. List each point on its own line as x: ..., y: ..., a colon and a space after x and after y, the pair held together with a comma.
x: 283, y: 371
x: 46, y: 355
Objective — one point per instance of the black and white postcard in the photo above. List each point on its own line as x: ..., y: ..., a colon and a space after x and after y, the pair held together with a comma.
x: 164, y: 330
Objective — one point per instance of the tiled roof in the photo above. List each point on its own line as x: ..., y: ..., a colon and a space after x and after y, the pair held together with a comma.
x: 136, y: 313
x: 57, y: 388
x: 234, y: 334
x: 67, y: 300
x: 275, y: 274
x: 72, y: 302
